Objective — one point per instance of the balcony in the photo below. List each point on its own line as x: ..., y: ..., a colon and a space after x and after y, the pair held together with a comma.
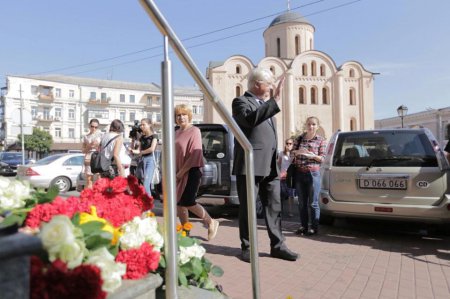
x: 46, y: 97
x: 41, y: 118
x: 99, y: 101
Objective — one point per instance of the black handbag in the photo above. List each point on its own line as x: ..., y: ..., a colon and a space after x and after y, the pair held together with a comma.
x: 290, y: 176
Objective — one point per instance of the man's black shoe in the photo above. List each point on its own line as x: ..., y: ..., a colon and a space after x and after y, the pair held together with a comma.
x: 300, y: 231
x: 245, y: 255
x: 284, y: 254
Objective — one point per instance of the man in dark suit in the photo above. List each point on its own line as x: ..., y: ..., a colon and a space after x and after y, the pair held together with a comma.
x: 254, y: 117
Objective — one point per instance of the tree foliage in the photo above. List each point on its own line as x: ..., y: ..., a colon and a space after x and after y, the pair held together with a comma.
x: 40, y: 141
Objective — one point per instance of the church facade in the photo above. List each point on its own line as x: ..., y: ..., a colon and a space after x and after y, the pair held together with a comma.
x: 340, y: 96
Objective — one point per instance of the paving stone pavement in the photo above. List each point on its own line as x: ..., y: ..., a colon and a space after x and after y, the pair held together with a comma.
x: 340, y: 262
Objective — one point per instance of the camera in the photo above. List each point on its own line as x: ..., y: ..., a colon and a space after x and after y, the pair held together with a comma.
x: 135, y: 130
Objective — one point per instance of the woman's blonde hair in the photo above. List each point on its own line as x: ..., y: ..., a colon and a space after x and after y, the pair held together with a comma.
x: 313, y: 117
x: 183, y: 109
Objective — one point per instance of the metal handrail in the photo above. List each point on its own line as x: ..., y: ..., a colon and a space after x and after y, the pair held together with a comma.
x: 165, y: 29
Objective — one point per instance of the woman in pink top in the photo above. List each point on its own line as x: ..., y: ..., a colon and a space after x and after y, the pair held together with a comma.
x: 189, y: 160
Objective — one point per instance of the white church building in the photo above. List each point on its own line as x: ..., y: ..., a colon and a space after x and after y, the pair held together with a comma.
x: 340, y: 96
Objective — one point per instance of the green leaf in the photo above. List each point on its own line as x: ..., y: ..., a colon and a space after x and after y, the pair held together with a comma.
x: 91, y: 227
x: 98, y: 239
x: 186, y: 242
x: 114, y: 249
x: 76, y: 219
x: 12, y: 219
x: 217, y: 271
x: 197, y: 268
x: 182, y: 278
x: 162, y: 262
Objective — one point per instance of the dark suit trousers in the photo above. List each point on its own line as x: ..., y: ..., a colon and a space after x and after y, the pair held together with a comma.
x: 268, y: 189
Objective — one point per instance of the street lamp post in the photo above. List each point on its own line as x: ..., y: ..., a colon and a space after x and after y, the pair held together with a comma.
x: 402, y: 110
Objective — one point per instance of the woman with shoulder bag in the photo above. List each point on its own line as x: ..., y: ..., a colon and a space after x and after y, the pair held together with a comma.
x: 91, y: 142
x: 284, y: 161
x: 115, y: 150
x: 148, y: 142
x: 309, y: 152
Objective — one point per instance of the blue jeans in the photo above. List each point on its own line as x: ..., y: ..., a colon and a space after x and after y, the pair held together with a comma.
x: 149, y: 169
x: 307, y: 185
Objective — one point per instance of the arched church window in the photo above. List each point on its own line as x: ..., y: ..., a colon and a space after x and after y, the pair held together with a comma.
x: 238, y: 91
x: 310, y: 44
x: 313, y: 95
x: 313, y: 68
x: 297, y: 45
x: 352, y: 73
x: 301, y: 95
x: 278, y: 47
x: 325, y: 96
x: 322, y: 70
x: 304, y: 70
x: 238, y: 69
x: 352, y: 95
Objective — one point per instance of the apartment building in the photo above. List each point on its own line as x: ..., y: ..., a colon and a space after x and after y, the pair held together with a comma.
x: 63, y: 106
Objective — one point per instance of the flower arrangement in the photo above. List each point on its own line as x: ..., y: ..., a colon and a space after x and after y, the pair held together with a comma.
x: 94, y: 241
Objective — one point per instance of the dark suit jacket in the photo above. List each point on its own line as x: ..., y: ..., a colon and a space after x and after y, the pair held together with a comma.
x: 252, y: 118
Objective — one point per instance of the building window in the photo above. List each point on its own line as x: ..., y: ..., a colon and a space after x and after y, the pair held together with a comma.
x: 278, y: 47
x: 304, y: 70
x: 93, y: 95
x: 122, y: 98
x: 325, y: 96
x: 200, y: 109
x: 132, y: 98
x: 58, y: 112
x: 71, y: 113
x: 46, y: 113
x: 33, y: 111
x: 158, y: 117
x: 194, y: 109
x: 132, y: 116
x: 352, y: 96
x: 297, y: 45
x: 71, y: 93
x: 71, y: 133
x: 352, y: 124
x: 313, y: 95
x: 301, y: 95
x: 103, y: 96
x: 351, y: 73
x: 149, y: 100
x: 238, y: 69
x: 322, y: 70
x: 58, y: 92
x: 238, y: 91
x: 34, y: 89
x: 310, y: 44
x: 122, y: 116
x: 313, y: 68
x: 58, y: 132
x: 158, y: 100
x: 150, y: 116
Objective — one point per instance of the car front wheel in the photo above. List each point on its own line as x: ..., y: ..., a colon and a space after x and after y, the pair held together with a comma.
x: 63, y: 184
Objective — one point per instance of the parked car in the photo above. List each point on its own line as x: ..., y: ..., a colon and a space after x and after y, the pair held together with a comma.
x: 397, y: 174
x: 59, y: 170
x: 9, y: 162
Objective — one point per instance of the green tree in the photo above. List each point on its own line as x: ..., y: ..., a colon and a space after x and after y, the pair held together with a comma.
x: 40, y: 141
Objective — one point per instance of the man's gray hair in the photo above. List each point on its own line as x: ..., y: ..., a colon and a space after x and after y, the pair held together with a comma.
x: 259, y: 74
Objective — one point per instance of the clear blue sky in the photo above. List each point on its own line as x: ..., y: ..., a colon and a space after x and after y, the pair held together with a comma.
x: 406, y: 41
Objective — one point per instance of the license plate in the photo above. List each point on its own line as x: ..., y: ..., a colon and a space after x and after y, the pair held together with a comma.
x: 383, y: 183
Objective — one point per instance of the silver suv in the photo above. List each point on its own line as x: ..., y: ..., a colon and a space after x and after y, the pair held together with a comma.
x: 397, y: 174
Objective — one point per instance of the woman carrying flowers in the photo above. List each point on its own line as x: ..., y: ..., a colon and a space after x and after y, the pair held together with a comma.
x: 189, y: 160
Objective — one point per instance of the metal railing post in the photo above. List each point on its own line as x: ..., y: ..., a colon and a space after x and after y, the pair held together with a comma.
x: 165, y: 29
x: 168, y: 168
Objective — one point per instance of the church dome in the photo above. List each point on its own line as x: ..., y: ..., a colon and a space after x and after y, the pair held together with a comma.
x: 289, y: 17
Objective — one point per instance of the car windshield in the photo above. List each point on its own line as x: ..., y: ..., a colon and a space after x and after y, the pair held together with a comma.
x: 11, y: 156
x: 213, y: 142
x: 48, y: 160
x: 384, y: 148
